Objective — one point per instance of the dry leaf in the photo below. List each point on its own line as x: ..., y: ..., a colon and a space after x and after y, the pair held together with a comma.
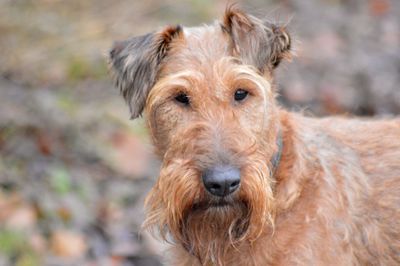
x: 24, y: 217
x: 68, y: 244
x: 132, y: 155
x: 379, y: 7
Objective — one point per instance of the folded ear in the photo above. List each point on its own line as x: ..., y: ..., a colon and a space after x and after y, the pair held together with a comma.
x: 256, y: 42
x: 135, y: 63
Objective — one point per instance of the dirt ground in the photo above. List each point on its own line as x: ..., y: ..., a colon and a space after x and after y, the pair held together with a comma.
x: 74, y: 170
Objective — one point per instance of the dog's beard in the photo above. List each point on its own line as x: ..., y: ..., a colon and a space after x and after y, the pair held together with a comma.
x: 207, y: 227
x: 210, y: 229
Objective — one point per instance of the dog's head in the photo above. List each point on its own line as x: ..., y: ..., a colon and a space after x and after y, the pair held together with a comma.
x: 207, y: 96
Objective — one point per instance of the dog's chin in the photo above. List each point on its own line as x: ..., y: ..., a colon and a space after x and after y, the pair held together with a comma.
x: 224, y: 219
x: 220, y: 211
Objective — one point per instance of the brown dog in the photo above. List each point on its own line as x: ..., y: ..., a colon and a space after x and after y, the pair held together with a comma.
x: 244, y: 182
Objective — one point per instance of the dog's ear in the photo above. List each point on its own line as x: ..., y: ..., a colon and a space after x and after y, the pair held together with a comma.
x: 256, y: 42
x: 135, y: 63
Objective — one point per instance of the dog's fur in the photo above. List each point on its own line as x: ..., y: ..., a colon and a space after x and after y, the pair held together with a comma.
x: 334, y: 196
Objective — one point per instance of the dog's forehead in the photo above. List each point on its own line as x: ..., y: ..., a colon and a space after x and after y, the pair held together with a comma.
x: 199, y: 48
x: 209, y: 39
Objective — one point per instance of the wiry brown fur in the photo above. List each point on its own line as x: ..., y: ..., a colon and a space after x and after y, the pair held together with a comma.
x: 333, y: 199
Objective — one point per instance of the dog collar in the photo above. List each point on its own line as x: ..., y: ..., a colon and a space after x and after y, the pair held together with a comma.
x: 277, y: 155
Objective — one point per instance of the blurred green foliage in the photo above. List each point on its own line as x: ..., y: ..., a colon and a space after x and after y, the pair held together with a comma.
x: 28, y: 259
x: 16, y: 243
x: 11, y: 241
x: 60, y: 180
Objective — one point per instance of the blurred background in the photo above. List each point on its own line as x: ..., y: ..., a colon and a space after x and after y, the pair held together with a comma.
x: 74, y: 169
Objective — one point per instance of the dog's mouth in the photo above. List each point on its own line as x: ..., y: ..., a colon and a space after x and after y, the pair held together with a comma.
x: 214, y: 204
x: 219, y: 204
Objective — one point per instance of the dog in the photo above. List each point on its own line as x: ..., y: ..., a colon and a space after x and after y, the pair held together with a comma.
x: 243, y: 181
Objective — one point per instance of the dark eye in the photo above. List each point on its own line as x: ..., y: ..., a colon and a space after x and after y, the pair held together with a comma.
x: 240, y: 95
x: 182, y: 98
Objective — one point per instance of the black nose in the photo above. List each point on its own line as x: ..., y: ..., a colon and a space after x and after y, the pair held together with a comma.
x: 221, y: 180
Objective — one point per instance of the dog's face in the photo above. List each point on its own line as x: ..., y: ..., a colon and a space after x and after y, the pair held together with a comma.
x: 207, y: 97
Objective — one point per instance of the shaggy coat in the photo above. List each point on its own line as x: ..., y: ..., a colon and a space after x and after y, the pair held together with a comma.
x: 332, y: 198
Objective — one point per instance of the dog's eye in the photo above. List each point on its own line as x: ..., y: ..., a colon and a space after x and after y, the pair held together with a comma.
x: 240, y: 95
x: 182, y: 98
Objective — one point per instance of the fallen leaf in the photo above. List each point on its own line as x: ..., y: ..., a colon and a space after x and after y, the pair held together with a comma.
x: 131, y: 154
x: 68, y: 244
x: 24, y: 217
x: 379, y: 7
x: 8, y: 203
x: 64, y: 213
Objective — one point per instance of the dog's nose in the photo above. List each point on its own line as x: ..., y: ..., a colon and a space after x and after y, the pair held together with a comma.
x: 221, y: 180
